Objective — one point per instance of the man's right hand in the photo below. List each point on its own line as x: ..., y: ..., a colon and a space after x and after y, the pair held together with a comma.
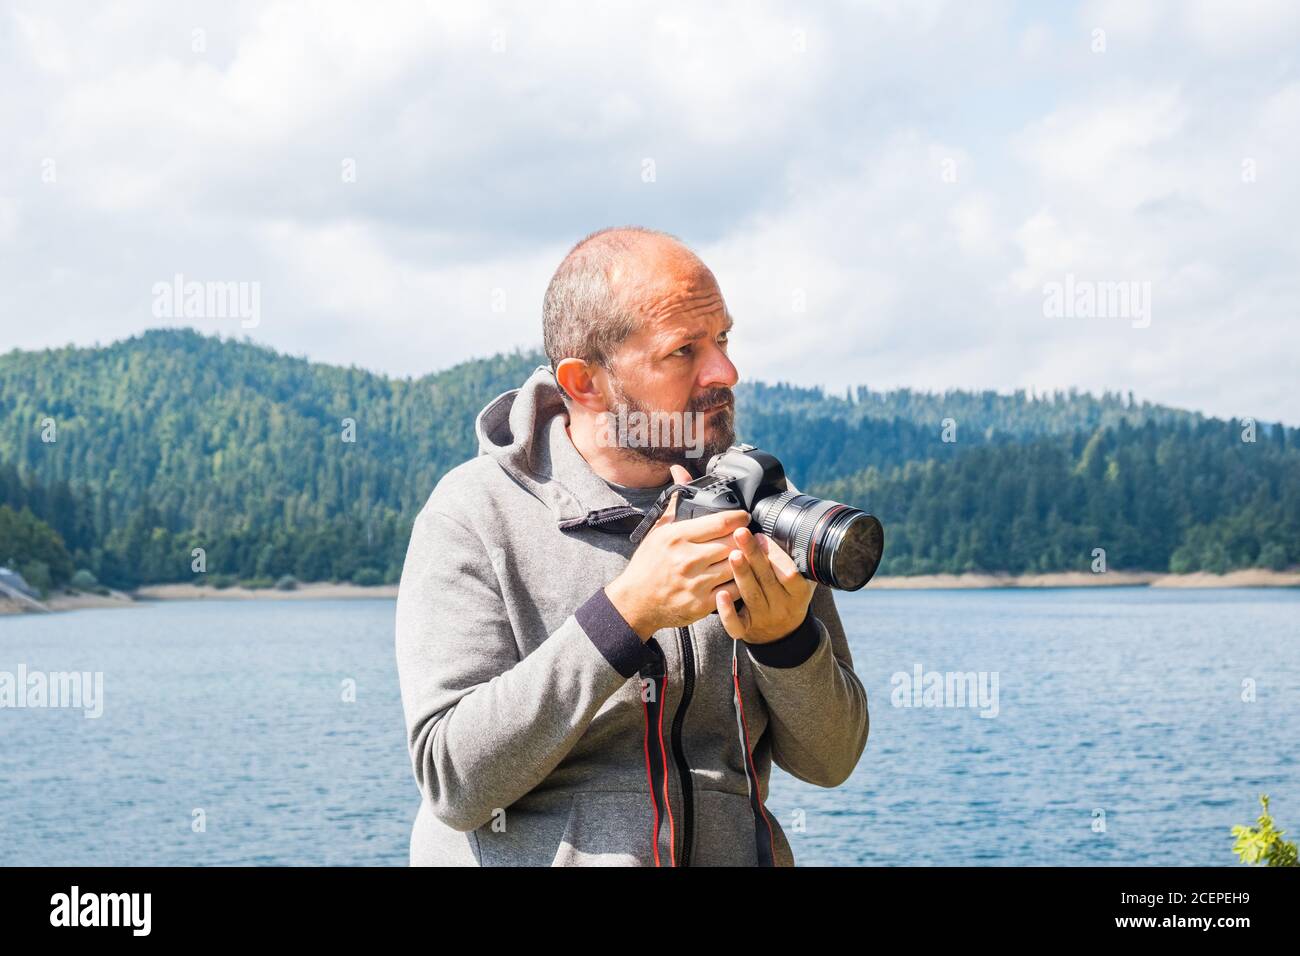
x: 676, y: 572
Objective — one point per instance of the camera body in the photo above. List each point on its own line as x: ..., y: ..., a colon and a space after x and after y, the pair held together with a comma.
x: 829, y: 542
x: 735, y: 479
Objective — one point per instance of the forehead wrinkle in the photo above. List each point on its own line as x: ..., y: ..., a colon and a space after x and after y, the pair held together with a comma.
x: 684, y: 303
x: 667, y: 286
x: 666, y: 329
x: 700, y: 333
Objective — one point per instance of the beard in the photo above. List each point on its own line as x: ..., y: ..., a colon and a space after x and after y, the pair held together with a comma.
x: 718, y: 429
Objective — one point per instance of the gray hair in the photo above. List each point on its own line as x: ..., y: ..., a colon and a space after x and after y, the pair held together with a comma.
x: 583, y: 316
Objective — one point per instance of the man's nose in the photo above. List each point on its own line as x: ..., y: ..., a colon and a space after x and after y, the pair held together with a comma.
x: 718, y: 372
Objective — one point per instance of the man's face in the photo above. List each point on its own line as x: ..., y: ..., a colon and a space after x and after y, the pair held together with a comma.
x: 677, y: 363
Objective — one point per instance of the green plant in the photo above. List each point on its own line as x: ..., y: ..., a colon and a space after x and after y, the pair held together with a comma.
x: 1264, y: 844
x: 367, y: 577
x: 1272, y: 556
x: 83, y: 580
x: 37, y: 575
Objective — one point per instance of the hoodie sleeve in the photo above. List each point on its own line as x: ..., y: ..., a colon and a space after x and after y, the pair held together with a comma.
x: 484, y: 727
x: 817, y: 706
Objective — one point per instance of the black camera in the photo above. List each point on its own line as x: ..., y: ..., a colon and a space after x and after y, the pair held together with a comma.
x: 830, y: 543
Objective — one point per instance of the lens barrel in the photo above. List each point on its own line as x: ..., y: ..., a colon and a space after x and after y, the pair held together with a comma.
x: 830, y: 542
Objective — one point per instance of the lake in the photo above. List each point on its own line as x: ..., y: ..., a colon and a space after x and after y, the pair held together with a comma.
x: 1117, y: 733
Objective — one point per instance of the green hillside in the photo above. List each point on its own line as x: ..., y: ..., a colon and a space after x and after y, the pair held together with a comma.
x: 172, y: 441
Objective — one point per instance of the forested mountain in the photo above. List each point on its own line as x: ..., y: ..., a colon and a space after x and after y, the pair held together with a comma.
x: 986, y: 414
x: 171, y: 441
x: 1184, y: 497
x: 137, y: 453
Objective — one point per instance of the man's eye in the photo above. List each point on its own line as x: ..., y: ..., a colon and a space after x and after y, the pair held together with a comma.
x: 687, y: 349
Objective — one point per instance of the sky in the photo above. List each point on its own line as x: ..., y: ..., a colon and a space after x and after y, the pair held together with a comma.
x: 926, y: 194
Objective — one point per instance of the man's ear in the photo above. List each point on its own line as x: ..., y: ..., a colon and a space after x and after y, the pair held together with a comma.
x: 575, y: 378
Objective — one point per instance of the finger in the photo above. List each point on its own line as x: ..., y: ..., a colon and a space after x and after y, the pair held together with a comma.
x: 731, y: 589
x: 680, y: 476
x: 718, y: 574
x: 708, y: 527
x: 782, y: 565
x: 750, y: 588
x: 713, y: 565
x: 708, y: 557
x: 757, y: 558
x: 669, y: 515
x: 736, y: 624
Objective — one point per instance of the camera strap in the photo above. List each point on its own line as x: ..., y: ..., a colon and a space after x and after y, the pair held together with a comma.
x: 764, y: 839
x: 656, y: 511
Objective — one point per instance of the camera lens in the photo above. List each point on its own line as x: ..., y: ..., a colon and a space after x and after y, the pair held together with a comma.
x: 831, y: 543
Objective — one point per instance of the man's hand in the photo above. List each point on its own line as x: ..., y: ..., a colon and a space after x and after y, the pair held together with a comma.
x: 776, y: 595
x: 679, y: 569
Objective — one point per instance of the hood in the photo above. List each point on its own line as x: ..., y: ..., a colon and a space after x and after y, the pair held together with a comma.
x: 524, y: 430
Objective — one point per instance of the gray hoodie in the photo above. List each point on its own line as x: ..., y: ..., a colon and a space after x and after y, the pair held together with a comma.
x: 542, y: 730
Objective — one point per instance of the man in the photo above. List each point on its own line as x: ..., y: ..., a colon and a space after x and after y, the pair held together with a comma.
x: 569, y: 696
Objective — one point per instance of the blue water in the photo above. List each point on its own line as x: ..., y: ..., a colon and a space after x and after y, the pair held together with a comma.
x: 1120, y: 707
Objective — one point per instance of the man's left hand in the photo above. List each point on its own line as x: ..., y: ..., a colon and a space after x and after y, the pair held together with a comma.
x: 776, y: 595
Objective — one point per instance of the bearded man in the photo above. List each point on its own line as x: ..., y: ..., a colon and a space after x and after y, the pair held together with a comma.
x: 572, y: 698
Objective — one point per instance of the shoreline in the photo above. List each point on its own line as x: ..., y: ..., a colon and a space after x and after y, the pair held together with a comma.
x: 304, y: 591
x: 66, y: 601
x: 1247, y: 578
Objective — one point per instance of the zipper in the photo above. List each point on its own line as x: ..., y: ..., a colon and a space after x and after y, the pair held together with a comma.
x: 679, y: 752
x: 657, y: 773
x: 615, y: 519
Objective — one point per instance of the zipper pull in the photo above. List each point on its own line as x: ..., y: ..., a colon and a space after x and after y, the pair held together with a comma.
x: 656, y: 664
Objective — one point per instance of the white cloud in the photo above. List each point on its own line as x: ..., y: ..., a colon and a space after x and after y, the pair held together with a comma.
x: 910, y: 174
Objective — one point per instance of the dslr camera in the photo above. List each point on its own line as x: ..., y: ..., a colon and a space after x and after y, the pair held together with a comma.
x: 831, y: 543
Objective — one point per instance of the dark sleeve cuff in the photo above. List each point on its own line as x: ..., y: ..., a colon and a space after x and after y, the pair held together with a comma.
x: 612, y: 635
x: 791, y: 650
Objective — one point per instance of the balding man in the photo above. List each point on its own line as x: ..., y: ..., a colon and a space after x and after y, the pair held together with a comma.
x: 572, y: 698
